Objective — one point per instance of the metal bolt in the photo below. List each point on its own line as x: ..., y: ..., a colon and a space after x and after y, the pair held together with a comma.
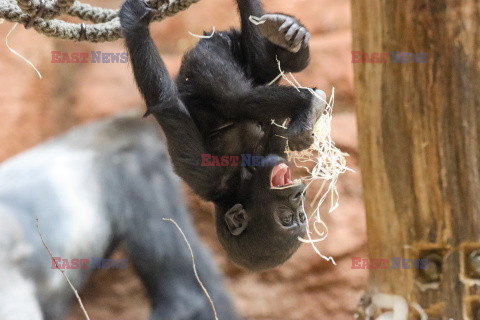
x: 434, y: 268
x: 474, y: 264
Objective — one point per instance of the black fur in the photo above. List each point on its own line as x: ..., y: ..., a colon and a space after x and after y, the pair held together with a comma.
x: 221, y: 105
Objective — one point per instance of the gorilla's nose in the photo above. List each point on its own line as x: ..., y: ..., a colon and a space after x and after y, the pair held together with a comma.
x: 302, y: 218
x: 302, y: 223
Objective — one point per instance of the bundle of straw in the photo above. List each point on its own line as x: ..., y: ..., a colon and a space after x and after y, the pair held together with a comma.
x: 328, y: 163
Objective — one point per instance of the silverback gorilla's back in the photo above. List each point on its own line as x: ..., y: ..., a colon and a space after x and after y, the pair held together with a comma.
x: 93, y: 188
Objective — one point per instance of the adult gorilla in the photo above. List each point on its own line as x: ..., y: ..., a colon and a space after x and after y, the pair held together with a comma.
x: 92, y: 189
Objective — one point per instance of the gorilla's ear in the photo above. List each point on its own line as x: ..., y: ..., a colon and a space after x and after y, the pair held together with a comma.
x: 236, y: 219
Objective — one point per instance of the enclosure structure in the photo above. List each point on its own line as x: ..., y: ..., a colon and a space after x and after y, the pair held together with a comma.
x: 419, y: 131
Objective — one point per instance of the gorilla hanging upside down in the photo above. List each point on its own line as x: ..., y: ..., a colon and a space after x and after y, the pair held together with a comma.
x: 221, y: 104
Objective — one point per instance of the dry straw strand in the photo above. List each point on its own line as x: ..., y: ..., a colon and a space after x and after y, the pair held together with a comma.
x: 18, y: 54
x: 193, y: 264
x: 283, y: 126
x: 419, y: 309
x: 256, y: 20
x: 63, y: 272
x: 202, y: 37
x: 328, y: 163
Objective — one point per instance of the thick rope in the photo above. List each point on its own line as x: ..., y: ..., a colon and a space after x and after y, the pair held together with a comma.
x: 107, y: 23
x: 94, y: 14
x: 52, y: 8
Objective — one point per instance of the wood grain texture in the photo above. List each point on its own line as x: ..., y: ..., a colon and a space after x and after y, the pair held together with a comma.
x: 419, y: 131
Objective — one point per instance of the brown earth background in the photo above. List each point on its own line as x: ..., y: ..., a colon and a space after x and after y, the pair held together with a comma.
x: 306, y: 287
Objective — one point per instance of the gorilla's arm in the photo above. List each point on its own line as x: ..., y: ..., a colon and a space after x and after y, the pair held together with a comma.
x: 185, y: 143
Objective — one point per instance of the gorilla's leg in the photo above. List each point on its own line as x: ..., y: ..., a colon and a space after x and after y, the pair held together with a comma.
x: 257, y: 47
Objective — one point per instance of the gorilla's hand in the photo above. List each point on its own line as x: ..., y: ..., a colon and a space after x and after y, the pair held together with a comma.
x: 284, y: 31
x: 300, y: 131
x: 134, y: 14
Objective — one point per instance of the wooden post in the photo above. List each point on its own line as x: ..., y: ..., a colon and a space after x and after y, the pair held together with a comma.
x: 419, y: 141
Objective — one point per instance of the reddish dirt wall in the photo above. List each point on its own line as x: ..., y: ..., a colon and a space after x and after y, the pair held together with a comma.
x: 306, y: 287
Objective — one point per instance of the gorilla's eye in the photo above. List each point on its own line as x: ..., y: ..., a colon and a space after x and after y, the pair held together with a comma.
x: 287, y: 220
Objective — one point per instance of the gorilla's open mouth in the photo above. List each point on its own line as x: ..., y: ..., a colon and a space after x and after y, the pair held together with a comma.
x: 280, y: 176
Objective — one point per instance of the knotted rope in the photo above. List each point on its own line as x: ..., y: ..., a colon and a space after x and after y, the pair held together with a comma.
x: 106, y: 24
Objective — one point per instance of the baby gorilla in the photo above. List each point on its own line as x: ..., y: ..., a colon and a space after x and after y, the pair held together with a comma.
x: 223, y: 104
